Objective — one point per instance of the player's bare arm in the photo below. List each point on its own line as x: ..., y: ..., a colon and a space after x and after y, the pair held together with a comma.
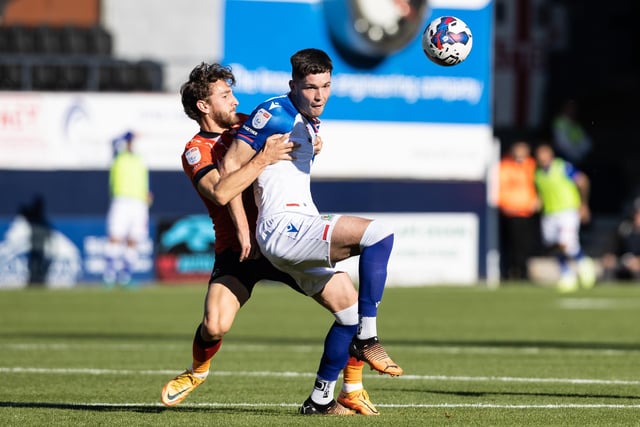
x: 234, y: 181
x: 248, y: 246
x: 220, y: 189
x: 207, y: 184
x: 206, y: 187
x: 239, y: 155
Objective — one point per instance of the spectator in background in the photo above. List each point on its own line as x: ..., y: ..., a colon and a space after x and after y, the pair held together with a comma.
x: 41, y: 231
x: 622, y: 261
x: 128, y: 216
x: 570, y: 140
x: 564, y: 193
x: 518, y: 204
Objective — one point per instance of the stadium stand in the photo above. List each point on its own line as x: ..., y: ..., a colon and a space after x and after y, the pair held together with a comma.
x: 70, y: 58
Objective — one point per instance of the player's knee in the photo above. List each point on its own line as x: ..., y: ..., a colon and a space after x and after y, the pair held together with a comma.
x: 214, y: 329
x: 348, y: 316
x: 338, y: 294
x: 375, y: 232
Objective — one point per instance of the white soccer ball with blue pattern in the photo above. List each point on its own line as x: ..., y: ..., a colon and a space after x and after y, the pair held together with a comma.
x: 447, y: 40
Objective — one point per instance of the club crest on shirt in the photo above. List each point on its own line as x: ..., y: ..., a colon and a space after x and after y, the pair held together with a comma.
x: 193, y: 155
x: 261, y: 118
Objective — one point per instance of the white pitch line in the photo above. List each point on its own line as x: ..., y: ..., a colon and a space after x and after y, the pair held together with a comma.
x: 93, y: 371
x: 598, y: 303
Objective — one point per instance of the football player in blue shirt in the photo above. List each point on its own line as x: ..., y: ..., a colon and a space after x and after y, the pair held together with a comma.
x: 292, y: 233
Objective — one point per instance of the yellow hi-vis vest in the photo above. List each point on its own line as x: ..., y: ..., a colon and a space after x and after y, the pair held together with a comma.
x: 557, y: 191
x: 129, y: 177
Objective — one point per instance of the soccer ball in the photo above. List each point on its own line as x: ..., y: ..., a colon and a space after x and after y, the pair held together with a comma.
x: 447, y: 40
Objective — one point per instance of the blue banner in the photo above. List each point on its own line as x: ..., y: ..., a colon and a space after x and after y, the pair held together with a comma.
x: 392, y: 81
x: 60, y: 252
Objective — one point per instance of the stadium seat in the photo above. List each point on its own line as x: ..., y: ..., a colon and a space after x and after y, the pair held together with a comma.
x: 5, y: 45
x: 117, y: 76
x: 48, y: 39
x: 100, y: 42
x: 46, y: 77
x: 20, y: 39
x: 74, y: 77
x: 150, y: 76
x: 10, y: 76
x: 76, y: 40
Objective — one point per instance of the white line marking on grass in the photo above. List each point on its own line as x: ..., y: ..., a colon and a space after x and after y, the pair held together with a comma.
x: 92, y: 371
x: 598, y: 303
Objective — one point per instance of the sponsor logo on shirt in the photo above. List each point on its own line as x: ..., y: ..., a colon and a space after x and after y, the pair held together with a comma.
x: 261, y: 118
x: 248, y: 129
x: 193, y: 155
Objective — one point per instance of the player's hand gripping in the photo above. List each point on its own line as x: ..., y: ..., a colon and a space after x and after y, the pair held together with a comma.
x: 278, y: 147
x: 248, y: 246
x: 317, y: 145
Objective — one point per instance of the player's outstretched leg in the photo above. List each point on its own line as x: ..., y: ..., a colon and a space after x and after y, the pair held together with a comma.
x: 353, y: 395
x: 178, y: 388
x: 376, y: 244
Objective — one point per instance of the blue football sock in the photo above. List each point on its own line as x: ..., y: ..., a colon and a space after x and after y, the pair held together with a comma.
x: 372, y: 272
x: 336, y: 351
x: 563, y: 263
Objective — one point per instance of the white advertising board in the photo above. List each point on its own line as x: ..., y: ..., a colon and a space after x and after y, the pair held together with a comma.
x: 43, y: 131
x: 429, y: 249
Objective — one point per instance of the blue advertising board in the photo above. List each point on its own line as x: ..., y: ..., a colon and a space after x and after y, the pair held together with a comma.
x: 401, y: 134
x: 391, y: 82
x: 61, y: 252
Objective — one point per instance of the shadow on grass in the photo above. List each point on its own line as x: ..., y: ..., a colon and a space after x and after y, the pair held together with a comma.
x: 466, y: 393
x: 293, y: 340
x: 559, y: 345
x: 142, y: 408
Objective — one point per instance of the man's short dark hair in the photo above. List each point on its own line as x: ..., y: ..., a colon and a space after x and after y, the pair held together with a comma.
x: 310, y: 61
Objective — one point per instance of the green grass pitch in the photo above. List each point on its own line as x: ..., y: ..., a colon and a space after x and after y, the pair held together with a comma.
x: 520, y: 355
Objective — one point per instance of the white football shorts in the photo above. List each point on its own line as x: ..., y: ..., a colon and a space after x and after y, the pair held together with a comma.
x: 299, y: 244
x: 562, y: 228
x: 128, y: 218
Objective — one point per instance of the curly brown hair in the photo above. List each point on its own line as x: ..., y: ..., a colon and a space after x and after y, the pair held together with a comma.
x: 198, y: 86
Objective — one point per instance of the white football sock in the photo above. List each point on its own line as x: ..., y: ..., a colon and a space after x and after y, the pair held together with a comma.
x: 323, y: 391
x: 367, y: 328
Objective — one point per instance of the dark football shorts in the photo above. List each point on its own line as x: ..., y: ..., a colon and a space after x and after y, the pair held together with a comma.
x: 248, y: 273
